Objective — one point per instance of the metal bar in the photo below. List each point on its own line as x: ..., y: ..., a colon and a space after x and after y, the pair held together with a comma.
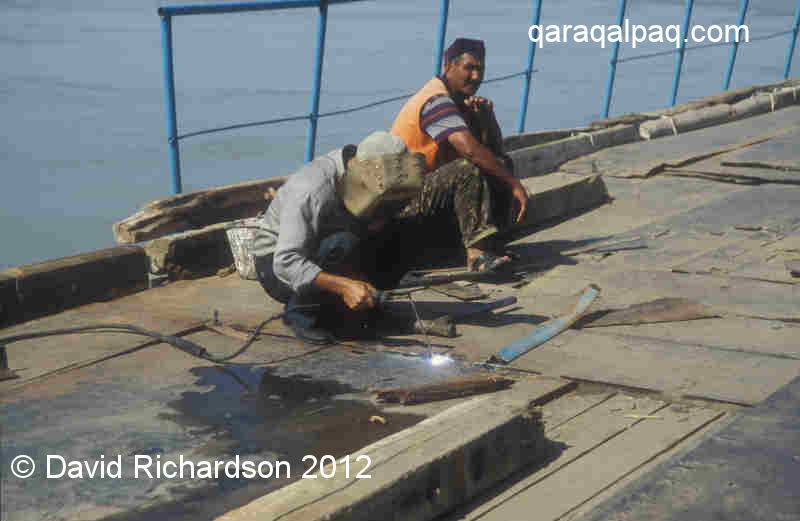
x: 182, y: 10
x: 311, y: 139
x: 506, y: 77
x: 792, y: 41
x: 544, y: 332
x: 735, y: 46
x: 171, y: 113
x: 681, y: 50
x: 242, y: 125
x: 701, y: 46
x: 526, y: 87
x: 612, y: 63
x: 325, y: 114
x: 437, y: 65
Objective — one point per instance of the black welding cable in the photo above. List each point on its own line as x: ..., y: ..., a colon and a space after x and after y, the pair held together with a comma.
x: 183, y: 344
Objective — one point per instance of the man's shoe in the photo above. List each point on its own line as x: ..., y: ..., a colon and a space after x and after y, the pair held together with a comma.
x: 302, y: 328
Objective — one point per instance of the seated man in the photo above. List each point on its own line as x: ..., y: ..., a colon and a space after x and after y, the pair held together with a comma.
x: 317, y: 250
x: 459, y: 135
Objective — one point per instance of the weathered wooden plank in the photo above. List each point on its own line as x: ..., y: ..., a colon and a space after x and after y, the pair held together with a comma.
x: 8, y: 297
x: 566, y: 491
x: 194, y: 210
x: 645, y: 159
x: 547, y: 157
x: 44, y: 357
x: 445, y: 390
x: 744, y: 471
x: 625, y: 285
x: 425, y: 470
x: 192, y: 254
x: 574, y: 438
x: 687, y: 121
x: 173, y: 309
x: 768, y: 337
x: 659, y: 310
x: 200, y: 209
x: 773, y: 161
x: 733, y: 375
x: 541, y: 137
x: 203, y: 251
x: 59, y: 284
x: 570, y: 406
x: 559, y: 195
x: 755, y: 259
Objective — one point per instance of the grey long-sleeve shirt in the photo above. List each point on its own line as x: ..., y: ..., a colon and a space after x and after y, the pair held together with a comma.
x: 305, y: 210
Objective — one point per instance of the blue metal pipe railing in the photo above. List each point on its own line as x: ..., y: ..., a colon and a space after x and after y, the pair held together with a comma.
x: 676, y: 80
x: 526, y: 87
x: 792, y: 42
x: 240, y: 7
x: 443, y: 13
x: 311, y: 139
x: 612, y: 64
x: 166, y: 13
x: 735, y: 46
x: 169, y: 91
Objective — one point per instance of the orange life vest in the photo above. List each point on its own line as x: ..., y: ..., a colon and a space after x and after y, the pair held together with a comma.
x: 407, y: 127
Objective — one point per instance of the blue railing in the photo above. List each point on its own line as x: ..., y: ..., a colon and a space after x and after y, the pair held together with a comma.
x: 168, y: 12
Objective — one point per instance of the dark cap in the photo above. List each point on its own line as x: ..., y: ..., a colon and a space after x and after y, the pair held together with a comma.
x: 462, y: 45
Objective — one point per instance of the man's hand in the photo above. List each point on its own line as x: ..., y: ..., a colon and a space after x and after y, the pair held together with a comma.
x: 358, y: 295
x: 468, y: 147
x: 478, y: 104
x: 485, y: 126
x: 520, y: 196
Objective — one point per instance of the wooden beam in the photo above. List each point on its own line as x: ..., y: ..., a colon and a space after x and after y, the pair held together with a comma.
x: 59, y: 284
x: 445, y: 390
x: 195, y: 210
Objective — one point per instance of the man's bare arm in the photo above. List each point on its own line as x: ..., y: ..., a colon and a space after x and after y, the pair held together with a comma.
x: 356, y: 294
x: 468, y: 147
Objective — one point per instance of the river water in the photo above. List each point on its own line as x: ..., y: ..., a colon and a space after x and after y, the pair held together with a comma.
x: 83, y: 112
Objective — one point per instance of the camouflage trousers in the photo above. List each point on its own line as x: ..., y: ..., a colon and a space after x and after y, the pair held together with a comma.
x: 456, y: 199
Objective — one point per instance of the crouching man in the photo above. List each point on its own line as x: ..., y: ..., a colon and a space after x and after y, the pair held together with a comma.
x: 319, y: 247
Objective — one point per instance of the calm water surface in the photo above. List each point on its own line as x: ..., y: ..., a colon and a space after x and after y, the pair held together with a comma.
x: 82, y: 102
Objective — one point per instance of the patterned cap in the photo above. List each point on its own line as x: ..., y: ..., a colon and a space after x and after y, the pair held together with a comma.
x: 382, y: 172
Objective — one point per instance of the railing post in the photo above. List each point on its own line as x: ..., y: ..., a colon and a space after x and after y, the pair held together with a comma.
x: 171, y: 113
x: 437, y: 65
x: 526, y: 88
x: 792, y: 41
x: 612, y: 64
x: 681, y: 51
x: 311, y: 139
x: 735, y: 46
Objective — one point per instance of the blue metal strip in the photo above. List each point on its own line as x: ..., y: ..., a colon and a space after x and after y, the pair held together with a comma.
x: 311, y: 139
x: 171, y: 113
x: 183, y: 10
x: 792, y: 42
x: 735, y: 46
x: 526, y: 87
x: 612, y: 64
x: 681, y: 51
x: 548, y: 330
x: 437, y: 65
